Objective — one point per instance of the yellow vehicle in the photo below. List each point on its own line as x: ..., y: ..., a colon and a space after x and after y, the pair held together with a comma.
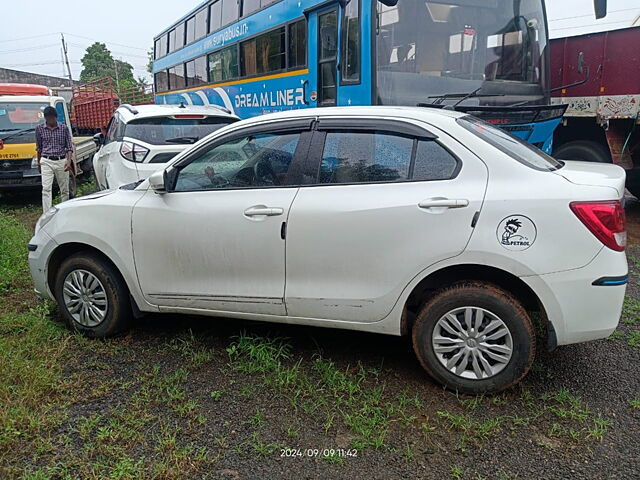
x: 21, y: 110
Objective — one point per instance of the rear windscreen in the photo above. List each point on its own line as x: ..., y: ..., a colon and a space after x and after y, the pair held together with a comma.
x: 513, y: 146
x: 174, y: 131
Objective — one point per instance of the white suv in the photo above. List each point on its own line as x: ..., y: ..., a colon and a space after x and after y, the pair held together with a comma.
x: 400, y: 221
x: 142, y: 139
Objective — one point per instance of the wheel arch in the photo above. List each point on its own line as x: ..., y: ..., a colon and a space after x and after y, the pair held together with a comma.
x: 446, y: 276
x: 65, y: 250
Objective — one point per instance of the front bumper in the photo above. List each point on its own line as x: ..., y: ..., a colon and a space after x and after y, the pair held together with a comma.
x: 578, y: 310
x: 41, y: 246
x: 20, y: 179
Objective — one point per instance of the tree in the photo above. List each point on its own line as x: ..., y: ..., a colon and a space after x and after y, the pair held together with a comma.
x: 98, y: 63
x: 150, y: 62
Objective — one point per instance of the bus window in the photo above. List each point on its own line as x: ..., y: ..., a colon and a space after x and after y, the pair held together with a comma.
x: 249, y: 6
x: 351, y: 42
x: 162, y: 81
x: 223, y: 64
x: 161, y: 47
x: 176, y: 77
x: 179, y: 36
x: 229, y: 11
x: 215, y: 16
x: 196, y: 71
x: 263, y: 54
x: 201, y: 23
x: 191, y: 30
x: 298, y: 44
x: 201, y: 70
x: 172, y: 41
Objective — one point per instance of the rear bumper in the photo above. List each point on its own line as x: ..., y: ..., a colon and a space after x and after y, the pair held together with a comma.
x: 577, y: 309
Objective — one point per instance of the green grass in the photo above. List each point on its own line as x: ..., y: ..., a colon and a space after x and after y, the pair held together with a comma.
x: 633, y: 339
x: 13, y: 248
x: 353, y: 398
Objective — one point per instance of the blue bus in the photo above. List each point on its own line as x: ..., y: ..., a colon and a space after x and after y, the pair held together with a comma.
x: 489, y: 58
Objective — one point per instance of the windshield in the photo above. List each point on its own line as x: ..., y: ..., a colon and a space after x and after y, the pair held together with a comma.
x: 172, y: 131
x: 18, y: 116
x: 513, y: 146
x: 428, y: 49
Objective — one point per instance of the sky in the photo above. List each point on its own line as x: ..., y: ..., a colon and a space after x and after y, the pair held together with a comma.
x: 30, y: 33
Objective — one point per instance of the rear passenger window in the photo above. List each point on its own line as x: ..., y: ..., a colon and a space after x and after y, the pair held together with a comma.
x: 363, y: 157
x: 433, y: 162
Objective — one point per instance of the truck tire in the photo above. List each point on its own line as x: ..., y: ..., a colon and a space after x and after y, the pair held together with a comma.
x: 474, y: 338
x: 584, y: 150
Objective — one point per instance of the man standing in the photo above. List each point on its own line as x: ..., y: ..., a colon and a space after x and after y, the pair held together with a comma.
x: 54, y: 147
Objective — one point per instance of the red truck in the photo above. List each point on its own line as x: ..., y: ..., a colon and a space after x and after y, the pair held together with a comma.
x: 93, y: 103
x: 598, y: 76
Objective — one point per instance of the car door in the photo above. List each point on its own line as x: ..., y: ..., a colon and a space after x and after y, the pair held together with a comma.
x: 391, y: 199
x: 215, y: 241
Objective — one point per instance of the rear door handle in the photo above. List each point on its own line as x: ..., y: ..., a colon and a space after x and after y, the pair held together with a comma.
x: 444, y: 203
x: 263, y: 211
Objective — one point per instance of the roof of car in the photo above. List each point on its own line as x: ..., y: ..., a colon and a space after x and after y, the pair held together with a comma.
x: 146, y: 111
x: 430, y: 115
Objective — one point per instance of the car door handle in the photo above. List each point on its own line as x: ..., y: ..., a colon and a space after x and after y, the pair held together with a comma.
x: 444, y: 203
x: 263, y: 211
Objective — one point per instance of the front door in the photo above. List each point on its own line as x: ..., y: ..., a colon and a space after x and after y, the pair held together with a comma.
x: 328, y: 57
x: 215, y: 241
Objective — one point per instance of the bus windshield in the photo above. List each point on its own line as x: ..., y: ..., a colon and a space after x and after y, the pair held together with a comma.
x: 429, y: 49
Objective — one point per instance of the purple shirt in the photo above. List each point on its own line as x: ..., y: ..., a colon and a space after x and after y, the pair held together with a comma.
x: 53, y: 142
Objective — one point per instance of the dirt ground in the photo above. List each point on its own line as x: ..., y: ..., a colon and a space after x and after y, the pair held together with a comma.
x: 190, y: 397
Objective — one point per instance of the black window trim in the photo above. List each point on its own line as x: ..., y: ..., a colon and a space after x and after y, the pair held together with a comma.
x: 299, y: 125
x: 369, y: 124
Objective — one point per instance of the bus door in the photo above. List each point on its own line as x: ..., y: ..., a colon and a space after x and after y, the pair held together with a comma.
x: 339, y: 56
x: 327, y: 55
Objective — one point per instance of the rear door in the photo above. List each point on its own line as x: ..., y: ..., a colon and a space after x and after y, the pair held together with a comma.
x: 390, y: 199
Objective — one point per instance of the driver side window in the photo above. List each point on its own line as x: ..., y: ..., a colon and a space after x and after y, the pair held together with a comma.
x: 255, y: 161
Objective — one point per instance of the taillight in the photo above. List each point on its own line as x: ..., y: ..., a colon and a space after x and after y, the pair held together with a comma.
x: 133, y: 152
x: 605, y: 220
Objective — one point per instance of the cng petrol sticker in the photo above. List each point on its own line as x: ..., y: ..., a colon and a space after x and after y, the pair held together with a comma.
x: 516, y: 232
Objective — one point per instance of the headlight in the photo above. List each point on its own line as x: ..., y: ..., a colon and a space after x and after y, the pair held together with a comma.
x: 34, y: 162
x: 45, y: 218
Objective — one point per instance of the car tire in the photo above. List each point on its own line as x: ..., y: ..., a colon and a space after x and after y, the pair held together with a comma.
x: 92, y: 296
x: 583, y: 150
x: 442, y: 331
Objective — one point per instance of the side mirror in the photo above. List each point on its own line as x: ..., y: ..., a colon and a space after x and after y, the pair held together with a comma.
x: 156, y: 181
x: 98, y: 138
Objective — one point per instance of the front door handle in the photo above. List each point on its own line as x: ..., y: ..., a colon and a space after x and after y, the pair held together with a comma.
x: 263, y: 211
x: 444, y: 203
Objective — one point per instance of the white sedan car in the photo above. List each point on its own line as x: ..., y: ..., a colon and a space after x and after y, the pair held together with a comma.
x: 142, y: 139
x: 400, y: 221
